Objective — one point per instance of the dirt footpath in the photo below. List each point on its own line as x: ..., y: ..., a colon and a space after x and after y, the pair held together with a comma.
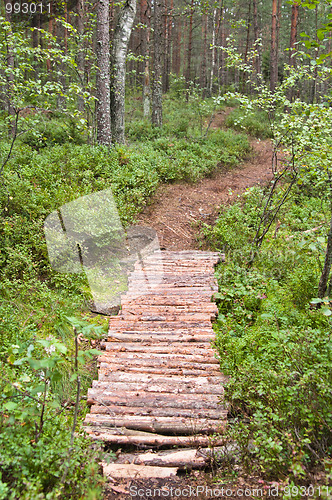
x: 177, y: 210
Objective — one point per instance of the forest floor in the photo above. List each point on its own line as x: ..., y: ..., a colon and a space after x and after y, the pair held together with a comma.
x: 177, y: 212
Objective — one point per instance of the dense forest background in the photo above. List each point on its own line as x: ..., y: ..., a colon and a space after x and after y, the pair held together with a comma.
x: 122, y: 95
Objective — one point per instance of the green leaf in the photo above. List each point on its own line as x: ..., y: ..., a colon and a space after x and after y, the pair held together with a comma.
x: 10, y: 405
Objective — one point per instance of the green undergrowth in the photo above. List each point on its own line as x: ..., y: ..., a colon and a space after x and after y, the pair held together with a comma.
x: 256, y: 123
x: 273, y: 344
x: 49, y: 167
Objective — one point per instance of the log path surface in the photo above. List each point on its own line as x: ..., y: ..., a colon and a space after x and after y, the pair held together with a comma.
x: 159, y: 382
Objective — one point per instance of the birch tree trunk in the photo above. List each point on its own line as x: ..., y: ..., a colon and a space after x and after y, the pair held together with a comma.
x: 103, y: 74
x: 157, y: 111
x: 119, y: 52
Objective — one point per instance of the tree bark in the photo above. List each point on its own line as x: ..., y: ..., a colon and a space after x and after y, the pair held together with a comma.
x: 157, y: 119
x: 119, y: 51
x: 293, y: 34
x: 146, y: 19
x: 10, y: 81
x: 103, y: 75
x: 274, y: 50
x: 256, y: 36
x: 80, y: 52
x: 204, y: 53
x: 213, y: 57
x: 327, y: 265
x: 176, y: 54
x: 190, y: 41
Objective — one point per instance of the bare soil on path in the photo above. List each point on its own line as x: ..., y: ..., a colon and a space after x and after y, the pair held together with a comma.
x: 177, y: 210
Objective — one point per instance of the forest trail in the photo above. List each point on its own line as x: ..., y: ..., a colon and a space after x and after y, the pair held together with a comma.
x: 177, y: 210
x: 153, y: 399
x: 159, y: 382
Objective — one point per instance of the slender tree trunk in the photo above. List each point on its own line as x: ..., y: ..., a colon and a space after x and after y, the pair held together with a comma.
x: 146, y: 18
x: 119, y: 51
x: 103, y: 74
x: 176, y: 54
x: 256, y: 36
x: 213, y: 56
x: 50, y: 30
x: 248, y: 33
x: 204, y: 53
x: 10, y: 80
x: 314, y: 82
x: 274, y: 47
x: 327, y: 265
x: 165, y: 50
x: 223, y: 72
x: 293, y: 34
x: 190, y: 41
x: 157, y: 119
x: 80, y: 52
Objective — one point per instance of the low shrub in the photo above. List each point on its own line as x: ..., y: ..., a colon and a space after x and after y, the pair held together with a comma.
x: 256, y: 123
x: 273, y: 344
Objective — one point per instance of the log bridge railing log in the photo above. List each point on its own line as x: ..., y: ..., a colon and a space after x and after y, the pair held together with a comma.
x: 159, y: 382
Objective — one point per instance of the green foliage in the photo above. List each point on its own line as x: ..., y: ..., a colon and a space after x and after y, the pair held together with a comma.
x: 256, y: 124
x: 273, y: 343
x: 41, y: 457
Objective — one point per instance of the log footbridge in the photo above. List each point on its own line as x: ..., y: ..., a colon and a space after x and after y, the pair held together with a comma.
x: 159, y: 382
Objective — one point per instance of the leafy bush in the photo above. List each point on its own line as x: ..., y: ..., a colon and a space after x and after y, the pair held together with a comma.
x: 273, y: 344
x: 255, y: 124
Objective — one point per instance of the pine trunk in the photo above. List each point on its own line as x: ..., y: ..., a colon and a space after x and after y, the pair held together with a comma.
x: 204, y: 53
x: 256, y: 36
x: 146, y: 19
x: 103, y: 75
x: 190, y: 41
x: 274, y: 45
x: 157, y: 119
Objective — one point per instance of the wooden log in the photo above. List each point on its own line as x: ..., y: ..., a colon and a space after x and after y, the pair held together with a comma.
x: 174, y: 380
x: 132, y: 471
x: 184, y: 348
x: 168, y: 425
x: 140, y: 309
x: 138, y: 399
x: 153, y: 326
x: 116, y: 410
x: 183, y: 459
x: 161, y: 337
x: 168, y: 387
x: 160, y: 315
x: 144, y: 358
x: 165, y: 300
x: 166, y: 370
x: 110, y: 436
